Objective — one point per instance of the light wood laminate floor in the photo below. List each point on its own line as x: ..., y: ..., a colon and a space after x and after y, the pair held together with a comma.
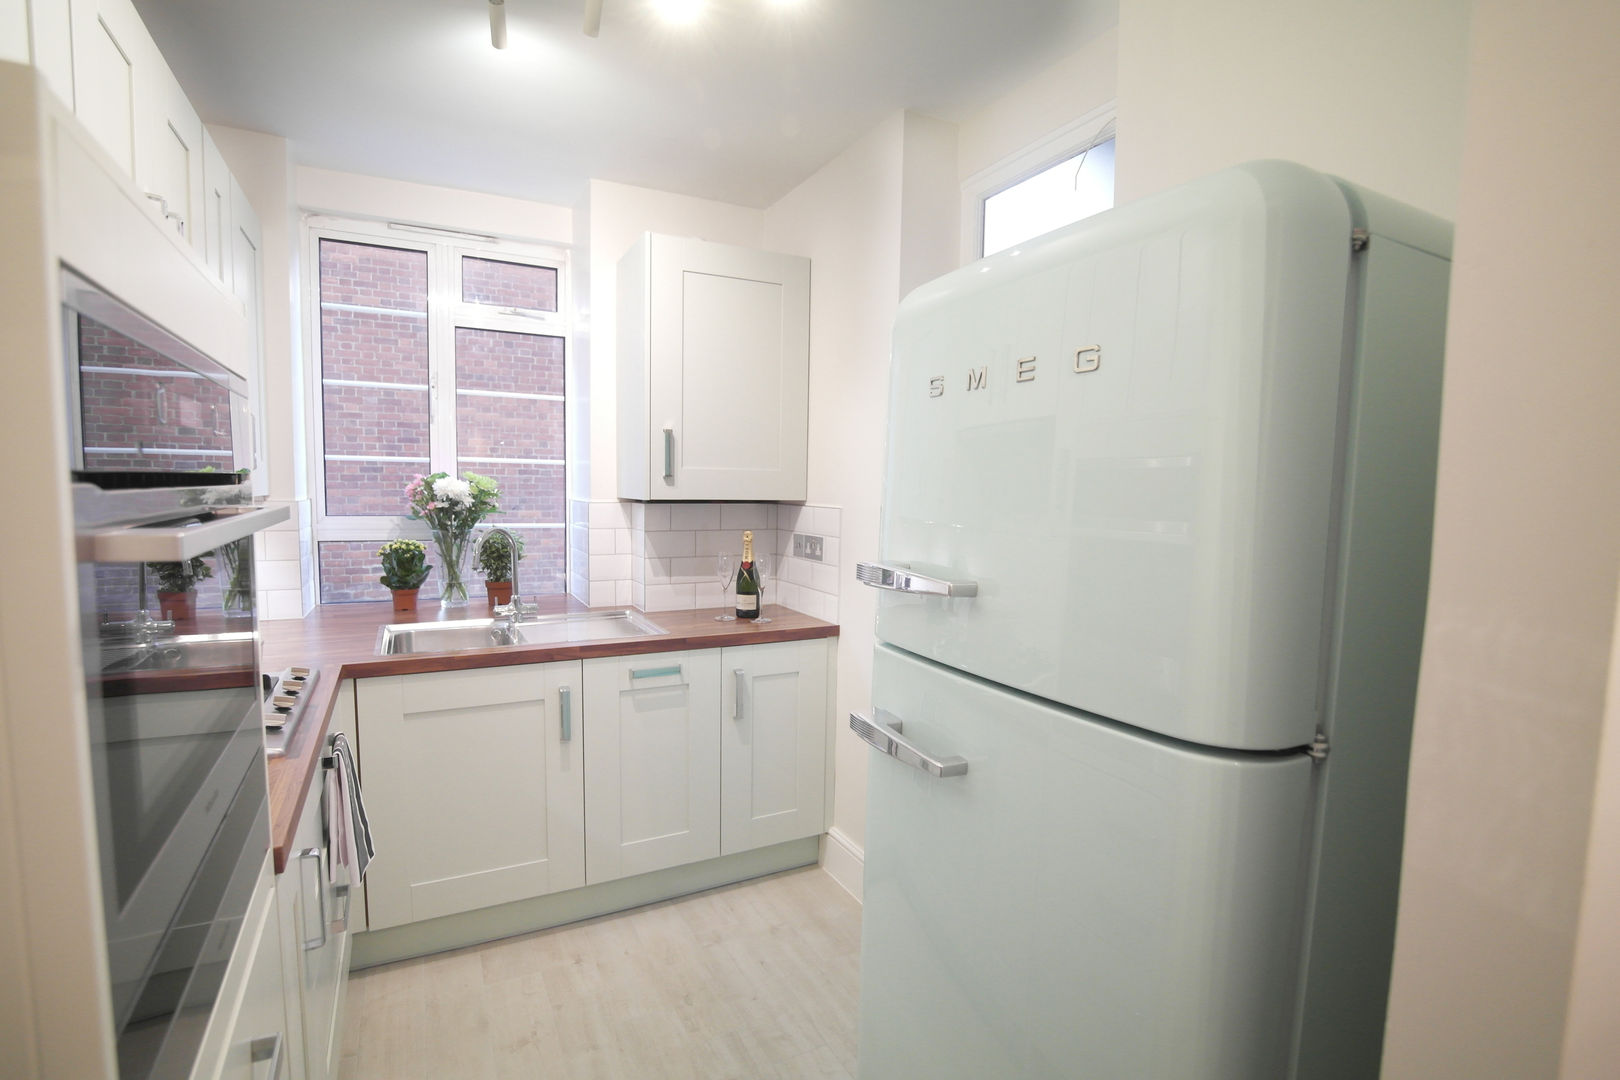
x: 754, y: 981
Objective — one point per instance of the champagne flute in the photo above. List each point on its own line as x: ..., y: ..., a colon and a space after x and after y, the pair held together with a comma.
x: 722, y: 571
x: 762, y: 567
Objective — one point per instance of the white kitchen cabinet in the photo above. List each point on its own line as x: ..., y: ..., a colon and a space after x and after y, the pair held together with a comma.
x: 317, y: 906
x: 773, y: 743
x: 248, y: 1029
x: 126, y: 95
x: 713, y: 354
x: 215, y: 215
x: 652, y: 762
x: 241, y: 244
x: 109, y: 39
x: 474, y: 781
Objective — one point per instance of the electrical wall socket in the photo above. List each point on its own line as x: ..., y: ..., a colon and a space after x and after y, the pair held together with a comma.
x: 807, y: 547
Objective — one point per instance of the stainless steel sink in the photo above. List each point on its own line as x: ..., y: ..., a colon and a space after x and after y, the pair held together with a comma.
x: 570, y: 628
x: 189, y: 651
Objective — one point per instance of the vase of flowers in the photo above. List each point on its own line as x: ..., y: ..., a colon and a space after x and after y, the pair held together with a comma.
x: 451, y: 508
x: 496, y: 560
x: 404, y: 566
x: 177, y: 586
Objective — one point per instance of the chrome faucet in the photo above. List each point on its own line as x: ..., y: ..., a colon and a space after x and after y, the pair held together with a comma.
x: 513, y: 612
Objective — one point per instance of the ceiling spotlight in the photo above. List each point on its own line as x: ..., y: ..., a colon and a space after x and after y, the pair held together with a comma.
x: 497, y: 23
x: 593, y: 17
x: 678, y: 11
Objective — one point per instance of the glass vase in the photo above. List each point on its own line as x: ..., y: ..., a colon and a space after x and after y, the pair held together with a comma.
x: 455, y: 552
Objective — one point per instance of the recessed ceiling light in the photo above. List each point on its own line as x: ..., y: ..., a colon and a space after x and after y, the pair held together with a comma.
x: 678, y: 11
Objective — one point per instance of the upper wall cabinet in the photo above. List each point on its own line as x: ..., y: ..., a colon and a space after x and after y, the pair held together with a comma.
x: 129, y: 99
x: 713, y: 371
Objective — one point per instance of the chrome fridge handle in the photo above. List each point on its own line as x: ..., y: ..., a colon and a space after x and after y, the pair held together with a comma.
x: 882, y: 732
x: 899, y: 577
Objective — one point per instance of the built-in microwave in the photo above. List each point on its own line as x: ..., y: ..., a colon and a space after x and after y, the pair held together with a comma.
x: 164, y: 524
x: 141, y: 399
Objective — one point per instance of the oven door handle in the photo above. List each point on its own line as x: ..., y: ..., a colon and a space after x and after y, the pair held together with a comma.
x: 177, y: 543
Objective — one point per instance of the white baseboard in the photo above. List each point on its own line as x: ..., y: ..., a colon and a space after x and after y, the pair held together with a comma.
x: 842, y: 858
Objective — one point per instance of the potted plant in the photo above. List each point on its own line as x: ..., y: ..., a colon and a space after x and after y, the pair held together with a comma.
x: 177, y: 586
x: 451, y: 508
x: 495, y: 560
x: 404, y: 566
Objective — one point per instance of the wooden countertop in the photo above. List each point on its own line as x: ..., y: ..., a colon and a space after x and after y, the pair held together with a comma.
x: 341, y: 640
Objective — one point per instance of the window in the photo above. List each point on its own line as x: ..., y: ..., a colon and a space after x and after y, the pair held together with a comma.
x: 1074, y: 188
x: 433, y: 355
x: 1061, y: 178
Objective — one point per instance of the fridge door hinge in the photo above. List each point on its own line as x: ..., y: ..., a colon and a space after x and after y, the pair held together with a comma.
x: 1318, y: 750
x: 1359, y: 239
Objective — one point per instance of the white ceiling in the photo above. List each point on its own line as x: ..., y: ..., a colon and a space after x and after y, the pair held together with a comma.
x: 740, y: 106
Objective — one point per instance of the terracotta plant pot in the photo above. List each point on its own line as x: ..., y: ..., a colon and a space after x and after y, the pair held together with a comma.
x: 177, y: 605
x: 500, y: 592
x: 404, y: 600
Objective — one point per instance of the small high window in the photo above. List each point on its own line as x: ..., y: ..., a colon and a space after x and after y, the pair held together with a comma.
x: 1080, y: 185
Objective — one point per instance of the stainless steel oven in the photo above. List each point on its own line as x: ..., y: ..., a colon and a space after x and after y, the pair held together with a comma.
x: 169, y: 640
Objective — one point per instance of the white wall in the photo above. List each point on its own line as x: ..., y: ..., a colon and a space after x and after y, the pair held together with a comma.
x: 1052, y: 98
x: 847, y: 219
x: 1371, y: 91
x: 1522, y: 599
x: 619, y: 214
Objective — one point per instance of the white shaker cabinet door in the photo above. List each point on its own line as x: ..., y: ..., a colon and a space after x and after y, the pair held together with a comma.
x: 475, y: 785
x: 713, y: 357
x: 773, y: 743
x: 652, y: 760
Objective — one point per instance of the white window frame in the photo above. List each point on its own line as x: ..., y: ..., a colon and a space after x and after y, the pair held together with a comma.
x: 1075, y: 137
x: 446, y: 312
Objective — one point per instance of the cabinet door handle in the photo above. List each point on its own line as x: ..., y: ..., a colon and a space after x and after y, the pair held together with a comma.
x: 669, y: 453
x: 655, y: 672
x: 311, y: 944
x: 266, y: 1048
x: 742, y: 685
x: 565, y: 698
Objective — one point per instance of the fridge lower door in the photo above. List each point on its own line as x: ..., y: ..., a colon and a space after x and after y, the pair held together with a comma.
x: 1083, y: 901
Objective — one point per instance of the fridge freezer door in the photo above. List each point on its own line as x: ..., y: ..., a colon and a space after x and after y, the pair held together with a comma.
x: 1122, y: 439
x: 1082, y: 901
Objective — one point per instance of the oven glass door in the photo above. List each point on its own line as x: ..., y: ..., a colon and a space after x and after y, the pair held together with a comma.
x: 177, y: 750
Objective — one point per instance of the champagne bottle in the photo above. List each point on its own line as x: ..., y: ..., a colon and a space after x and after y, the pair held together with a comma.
x: 748, y: 582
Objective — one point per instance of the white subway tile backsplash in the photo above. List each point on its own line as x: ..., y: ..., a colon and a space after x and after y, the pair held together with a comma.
x: 670, y: 597
x: 707, y: 594
x: 669, y: 545
x: 693, y: 568
x: 602, y: 542
x: 608, y: 515
x: 829, y: 551
x: 739, y: 516
x: 824, y: 579
x: 694, y: 516
x: 636, y: 514
x: 656, y: 517
x: 279, y: 574
x: 279, y: 545
x: 284, y: 604
x: 623, y: 590
x: 602, y: 593
x: 621, y: 542
x: 713, y: 541
x: 609, y: 567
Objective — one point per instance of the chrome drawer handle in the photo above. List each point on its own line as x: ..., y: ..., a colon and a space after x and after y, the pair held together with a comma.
x: 654, y: 672
x: 565, y: 697
x: 310, y: 944
x: 267, y: 1048
x: 883, y: 733
x: 901, y: 578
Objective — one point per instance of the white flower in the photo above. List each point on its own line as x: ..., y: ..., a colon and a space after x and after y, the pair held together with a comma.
x: 449, y: 489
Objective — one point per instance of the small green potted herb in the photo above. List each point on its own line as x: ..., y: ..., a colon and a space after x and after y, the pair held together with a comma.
x: 494, y: 559
x: 404, y: 566
x: 177, y: 586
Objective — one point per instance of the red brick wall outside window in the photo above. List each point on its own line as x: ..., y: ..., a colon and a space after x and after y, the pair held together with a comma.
x: 377, y: 372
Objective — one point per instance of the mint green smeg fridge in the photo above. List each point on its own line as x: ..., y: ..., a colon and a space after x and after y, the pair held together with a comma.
x: 1152, y: 569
